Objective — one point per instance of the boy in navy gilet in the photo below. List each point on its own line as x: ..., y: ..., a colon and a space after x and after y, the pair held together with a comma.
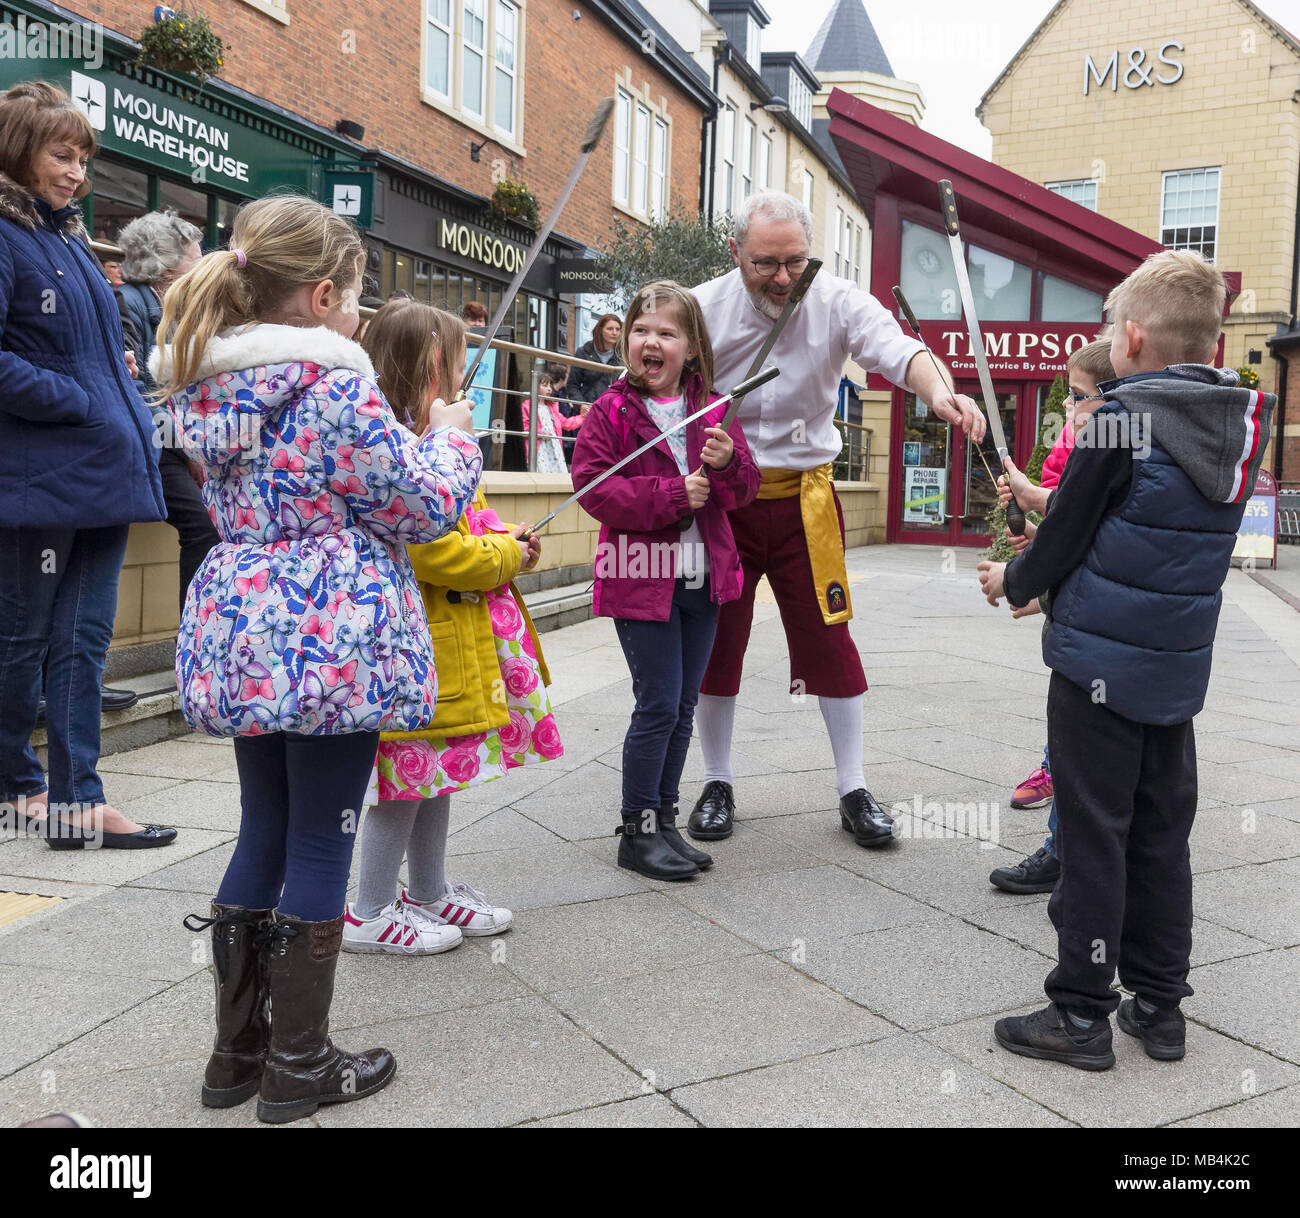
x: 1133, y: 552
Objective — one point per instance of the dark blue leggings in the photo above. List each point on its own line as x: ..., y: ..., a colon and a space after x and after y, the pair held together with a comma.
x: 667, y: 661
x: 301, y: 800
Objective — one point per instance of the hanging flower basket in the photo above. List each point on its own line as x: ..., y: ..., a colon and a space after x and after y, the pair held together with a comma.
x: 512, y: 200
x: 183, y: 43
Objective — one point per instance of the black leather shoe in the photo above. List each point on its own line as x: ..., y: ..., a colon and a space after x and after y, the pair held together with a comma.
x: 869, y: 823
x: 116, y: 699
x: 1048, y: 1034
x: 64, y: 835
x: 669, y: 832
x: 643, y: 849
x: 1038, y: 873
x: 711, y: 818
x: 1163, y: 1032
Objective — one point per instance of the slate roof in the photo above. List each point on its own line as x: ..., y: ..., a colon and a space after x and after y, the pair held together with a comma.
x: 847, y: 42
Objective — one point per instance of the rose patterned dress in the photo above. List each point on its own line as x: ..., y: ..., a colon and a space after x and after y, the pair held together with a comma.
x: 421, y: 769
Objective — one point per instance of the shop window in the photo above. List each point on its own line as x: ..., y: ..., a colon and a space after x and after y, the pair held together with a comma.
x: 421, y: 280
x: 1082, y: 191
x: 1064, y: 301
x: 189, y: 204
x: 926, y: 275
x: 438, y: 287
x: 1189, y: 210
x: 226, y: 209
x: 473, y: 62
x: 1002, y: 288
x: 120, y: 195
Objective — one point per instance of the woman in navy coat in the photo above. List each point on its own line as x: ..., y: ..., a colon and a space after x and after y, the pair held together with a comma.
x: 78, y: 465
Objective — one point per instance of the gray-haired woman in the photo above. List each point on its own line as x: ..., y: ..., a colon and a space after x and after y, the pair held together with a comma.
x: 157, y: 249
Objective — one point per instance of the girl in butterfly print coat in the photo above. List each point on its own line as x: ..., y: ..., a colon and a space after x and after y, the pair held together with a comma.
x: 303, y: 631
x: 493, y: 712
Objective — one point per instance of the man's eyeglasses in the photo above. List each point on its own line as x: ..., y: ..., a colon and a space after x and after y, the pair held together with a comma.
x: 767, y: 267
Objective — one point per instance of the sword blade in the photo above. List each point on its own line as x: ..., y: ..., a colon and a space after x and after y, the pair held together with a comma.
x: 744, y: 387
x: 589, y: 141
x: 948, y: 203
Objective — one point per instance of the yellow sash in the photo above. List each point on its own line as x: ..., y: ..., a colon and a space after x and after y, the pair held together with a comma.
x: 821, y: 530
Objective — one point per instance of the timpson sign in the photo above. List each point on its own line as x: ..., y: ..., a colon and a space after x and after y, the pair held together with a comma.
x: 1013, y: 350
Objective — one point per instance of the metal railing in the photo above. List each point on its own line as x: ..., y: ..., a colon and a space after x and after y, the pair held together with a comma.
x: 854, y: 462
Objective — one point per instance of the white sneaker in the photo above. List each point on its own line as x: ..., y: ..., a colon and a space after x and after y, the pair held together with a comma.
x: 466, y: 908
x: 400, y: 930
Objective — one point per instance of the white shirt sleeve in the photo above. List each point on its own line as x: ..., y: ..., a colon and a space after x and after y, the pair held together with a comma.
x: 876, y: 341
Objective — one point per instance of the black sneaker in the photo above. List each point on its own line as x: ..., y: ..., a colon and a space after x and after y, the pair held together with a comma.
x: 1163, y: 1032
x: 1048, y: 1034
x: 1038, y: 873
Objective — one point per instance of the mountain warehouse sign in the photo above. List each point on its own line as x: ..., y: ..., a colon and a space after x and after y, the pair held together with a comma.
x: 480, y: 246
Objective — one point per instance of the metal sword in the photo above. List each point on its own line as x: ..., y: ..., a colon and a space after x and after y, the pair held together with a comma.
x: 948, y: 205
x: 589, y: 142
x: 744, y: 387
x: 916, y: 329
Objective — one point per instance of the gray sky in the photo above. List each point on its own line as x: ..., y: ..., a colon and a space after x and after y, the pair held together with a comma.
x: 954, y: 49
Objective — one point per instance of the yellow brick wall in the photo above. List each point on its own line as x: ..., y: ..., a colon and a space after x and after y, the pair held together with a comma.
x: 1232, y: 108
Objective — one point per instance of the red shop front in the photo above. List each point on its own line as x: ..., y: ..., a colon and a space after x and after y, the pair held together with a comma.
x: 1040, y: 268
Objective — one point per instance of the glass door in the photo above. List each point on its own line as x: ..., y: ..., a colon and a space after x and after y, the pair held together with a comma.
x: 927, y: 475
x: 980, y: 494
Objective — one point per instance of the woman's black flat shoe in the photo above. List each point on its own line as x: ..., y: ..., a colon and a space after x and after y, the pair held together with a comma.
x: 64, y: 836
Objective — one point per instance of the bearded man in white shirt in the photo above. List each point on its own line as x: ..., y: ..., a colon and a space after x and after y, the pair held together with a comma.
x: 794, y: 531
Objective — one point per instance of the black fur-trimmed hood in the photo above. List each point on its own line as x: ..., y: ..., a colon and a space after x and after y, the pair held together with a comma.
x: 19, y: 205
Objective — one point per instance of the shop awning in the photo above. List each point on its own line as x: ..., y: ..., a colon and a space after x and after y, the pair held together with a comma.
x: 884, y: 154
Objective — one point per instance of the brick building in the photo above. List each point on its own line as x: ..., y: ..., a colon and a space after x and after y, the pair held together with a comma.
x: 1180, y: 121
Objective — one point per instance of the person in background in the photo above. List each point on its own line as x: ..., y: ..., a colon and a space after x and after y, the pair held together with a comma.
x: 400, y: 294
x: 112, y: 271
x: 551, y: 424
x: 473, y: 313
x: 157, y: 249
x: 585, y: 384
x: 77, y: 469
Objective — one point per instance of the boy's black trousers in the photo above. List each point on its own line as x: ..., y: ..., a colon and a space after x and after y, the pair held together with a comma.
x: 1125, y: 801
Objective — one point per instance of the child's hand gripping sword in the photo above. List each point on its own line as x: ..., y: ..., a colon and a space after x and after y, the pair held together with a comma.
x: 740, y: 390
x: 948, y: 205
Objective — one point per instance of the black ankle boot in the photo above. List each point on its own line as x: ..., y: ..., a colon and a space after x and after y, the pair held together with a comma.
x: 645, y: 850
x: 303, y: 1068
x: 669, y: 832
x: 234, y: 1071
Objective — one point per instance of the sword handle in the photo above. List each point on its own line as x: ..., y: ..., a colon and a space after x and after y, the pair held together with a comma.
x: 1015, y: 518
x: 948, y: 205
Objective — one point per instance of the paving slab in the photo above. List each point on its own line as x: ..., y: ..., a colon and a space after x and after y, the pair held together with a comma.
x: 1251, y: 998
x: 493, y: 1065
x: 686, y: 1025
x: 784, y: 909
x: 503, y: 829
x: 33, y: 858
x: 170, y: 759
x: 195, y: 804
x: 927, y: 975
x: 1262, y: 901
x: 1137, y: 1091
x: 865, y: 1087
x: 1277, y: 1109
x: 648, y: 1112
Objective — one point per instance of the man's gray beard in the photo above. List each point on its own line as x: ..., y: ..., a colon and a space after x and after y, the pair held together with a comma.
x: 765, y: 306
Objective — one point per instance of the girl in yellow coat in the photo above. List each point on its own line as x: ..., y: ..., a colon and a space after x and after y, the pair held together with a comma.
x: 492, y: 713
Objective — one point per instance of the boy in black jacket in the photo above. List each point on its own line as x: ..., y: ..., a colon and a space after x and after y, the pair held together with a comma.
x: 1134, y: 551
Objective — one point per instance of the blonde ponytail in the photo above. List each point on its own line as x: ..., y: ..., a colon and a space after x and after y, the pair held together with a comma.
x: 286, y: 241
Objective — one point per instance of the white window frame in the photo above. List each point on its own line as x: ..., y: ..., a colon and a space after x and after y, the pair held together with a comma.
x: 278, y: 9
x: 807, y: 186
x: 839, y: 236
x: 727, y: 158
x: 1082, y: 191
x: 765, y: 163
x: 1189, y: 175
x: 623, y: 147
x: 658, y: 169
x: 453, y: 102
x: 747, y: 159
x: 642, y: 157
x: 857, y: 256
x: 468, y: 48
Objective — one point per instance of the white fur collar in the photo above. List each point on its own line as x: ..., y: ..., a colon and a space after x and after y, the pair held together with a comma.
x: 263, y: 344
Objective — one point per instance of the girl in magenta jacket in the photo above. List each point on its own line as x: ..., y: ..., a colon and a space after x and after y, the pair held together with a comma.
x: 666, y: 558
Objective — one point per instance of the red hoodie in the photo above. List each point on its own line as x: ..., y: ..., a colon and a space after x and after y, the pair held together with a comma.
x: 641, y: 505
